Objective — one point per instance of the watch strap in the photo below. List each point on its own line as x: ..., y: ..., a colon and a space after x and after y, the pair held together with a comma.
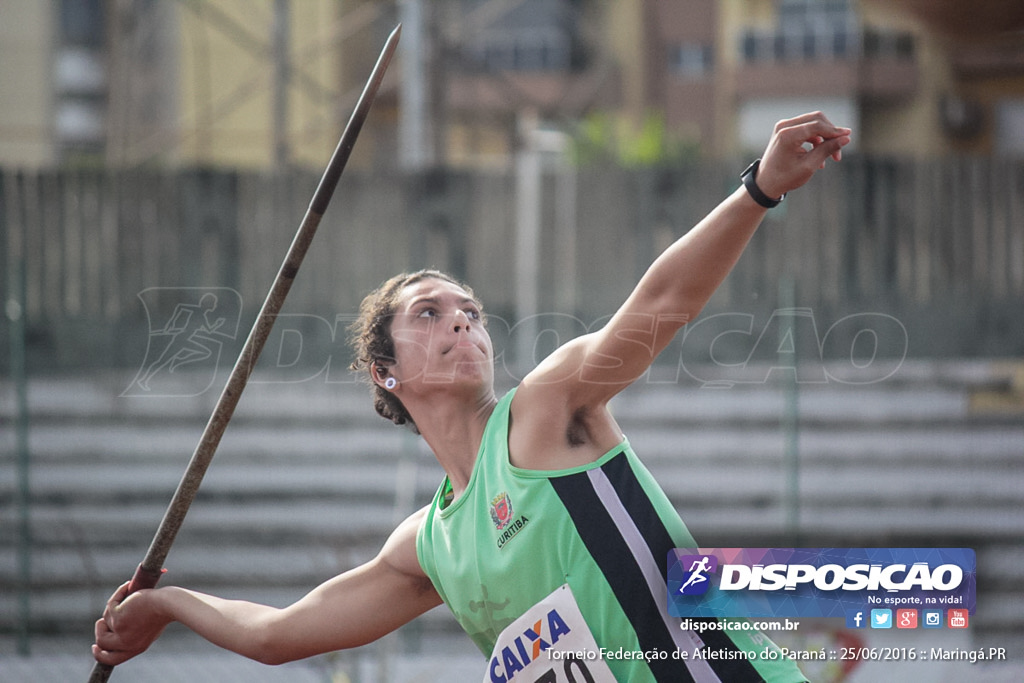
x: 749, y: 178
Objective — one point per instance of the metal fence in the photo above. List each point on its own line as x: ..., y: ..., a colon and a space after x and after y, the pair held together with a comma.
x: 936, y: 245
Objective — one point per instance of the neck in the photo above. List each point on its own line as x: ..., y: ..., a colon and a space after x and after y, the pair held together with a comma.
x: 454, y: 429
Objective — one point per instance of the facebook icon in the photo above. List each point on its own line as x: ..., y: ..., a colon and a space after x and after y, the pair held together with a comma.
x: 856, y: 619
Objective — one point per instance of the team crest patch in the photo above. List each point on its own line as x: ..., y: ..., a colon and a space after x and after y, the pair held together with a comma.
x: 505, y: 520
x: 501, y: 510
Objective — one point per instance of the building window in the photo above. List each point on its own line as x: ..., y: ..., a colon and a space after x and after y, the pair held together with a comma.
x: 691, y: 60
x: 748, y: 46
x: 1010, y: 127
x: 806, y: 30
x: 817, y: 30
x: 81, y: 22
x: 526, y: 35
x: 879, y: 44
x: 80, y: 77
x: 841, y: 44
x: 512, y: 52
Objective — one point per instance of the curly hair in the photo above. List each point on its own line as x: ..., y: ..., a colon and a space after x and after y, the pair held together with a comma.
x: 371, y: 337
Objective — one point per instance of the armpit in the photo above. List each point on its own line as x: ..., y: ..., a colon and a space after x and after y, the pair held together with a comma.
x: 577, y: 434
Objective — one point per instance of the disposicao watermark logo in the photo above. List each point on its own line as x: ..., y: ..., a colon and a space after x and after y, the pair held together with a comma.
x: 849, y: 583
x: 696, y: 580
x: 193, y: 333
x: 188, y: 329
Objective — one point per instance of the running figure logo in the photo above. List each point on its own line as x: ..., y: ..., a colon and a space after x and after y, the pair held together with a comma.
x: 698, y: 567
x: 192, y: 335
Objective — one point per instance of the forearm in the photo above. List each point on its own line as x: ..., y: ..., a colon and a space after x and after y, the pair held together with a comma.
x: 348, y: 610
x: 682, y: 279
x: 236, y: 625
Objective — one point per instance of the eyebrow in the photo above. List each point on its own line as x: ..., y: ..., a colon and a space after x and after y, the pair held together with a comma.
x: 434, y: 300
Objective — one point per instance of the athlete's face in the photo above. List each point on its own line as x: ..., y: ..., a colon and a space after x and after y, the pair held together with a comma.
x: 439, y: 337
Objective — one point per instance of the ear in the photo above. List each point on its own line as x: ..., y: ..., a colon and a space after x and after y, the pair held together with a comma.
x: 379, y: 373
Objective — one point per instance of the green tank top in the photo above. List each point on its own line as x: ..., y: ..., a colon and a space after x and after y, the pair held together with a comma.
x: 604, y: 530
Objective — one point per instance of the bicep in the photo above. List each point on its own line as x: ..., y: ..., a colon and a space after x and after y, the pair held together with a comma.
x: 362, y: 604
x: 592, y: 368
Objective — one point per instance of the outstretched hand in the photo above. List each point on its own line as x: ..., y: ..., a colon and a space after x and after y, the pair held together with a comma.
x: 787, y: 162
x: 127, y: 628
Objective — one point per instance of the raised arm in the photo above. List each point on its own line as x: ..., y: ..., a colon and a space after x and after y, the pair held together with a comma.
x: 351, y: 609
x: 584, y: 374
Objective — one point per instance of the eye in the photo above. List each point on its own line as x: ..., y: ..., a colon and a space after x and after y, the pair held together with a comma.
x: 472, y: 314
x: 427, y: 313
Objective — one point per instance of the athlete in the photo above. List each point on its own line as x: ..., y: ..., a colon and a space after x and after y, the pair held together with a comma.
x: 548, y: 538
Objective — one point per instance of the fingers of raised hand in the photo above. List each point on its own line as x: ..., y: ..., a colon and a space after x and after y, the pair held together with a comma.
x: 832, y: 147
x: 809, y: 117
x: 824, y: 140
x: 808, y: 126
x: 799, y: 147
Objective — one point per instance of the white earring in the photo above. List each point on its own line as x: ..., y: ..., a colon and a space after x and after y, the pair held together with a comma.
x: 390, y: 383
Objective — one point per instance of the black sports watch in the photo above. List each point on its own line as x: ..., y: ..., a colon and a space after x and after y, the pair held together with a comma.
x: 749, y: 178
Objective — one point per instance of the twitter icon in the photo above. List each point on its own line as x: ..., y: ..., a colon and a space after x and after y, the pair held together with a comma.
x: 881, y: 618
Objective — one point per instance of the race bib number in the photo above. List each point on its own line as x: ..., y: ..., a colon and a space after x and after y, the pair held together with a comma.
x: 549, y: 643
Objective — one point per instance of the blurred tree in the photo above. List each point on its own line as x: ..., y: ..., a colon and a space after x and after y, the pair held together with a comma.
x: 605, y: 137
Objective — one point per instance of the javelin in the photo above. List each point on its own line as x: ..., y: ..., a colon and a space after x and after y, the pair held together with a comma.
x: 149, y: 571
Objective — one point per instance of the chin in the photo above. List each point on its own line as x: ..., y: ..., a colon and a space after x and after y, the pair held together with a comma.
x: 461, y: 378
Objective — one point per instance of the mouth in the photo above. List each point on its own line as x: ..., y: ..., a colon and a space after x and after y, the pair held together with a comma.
x: 462, y: 344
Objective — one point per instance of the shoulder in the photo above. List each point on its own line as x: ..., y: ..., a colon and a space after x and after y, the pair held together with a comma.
x: 399, y: 551
x: 556, y: 420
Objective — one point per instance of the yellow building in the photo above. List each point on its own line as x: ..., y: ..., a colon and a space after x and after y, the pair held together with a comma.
x: 26, y: 100
x: 266, y: 84
x: 207, y: 82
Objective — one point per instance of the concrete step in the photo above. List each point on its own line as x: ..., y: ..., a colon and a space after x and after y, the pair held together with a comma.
x: 308, y: 481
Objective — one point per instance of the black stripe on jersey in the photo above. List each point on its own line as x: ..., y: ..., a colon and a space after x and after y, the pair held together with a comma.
x: 646, y: 518
x: 599, y: 534
x: 641, y: 509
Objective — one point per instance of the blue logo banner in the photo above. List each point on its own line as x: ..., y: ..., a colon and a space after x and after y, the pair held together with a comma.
x: 818, y: 582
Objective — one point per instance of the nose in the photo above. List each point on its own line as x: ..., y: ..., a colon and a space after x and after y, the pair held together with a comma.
x: 460, y: 321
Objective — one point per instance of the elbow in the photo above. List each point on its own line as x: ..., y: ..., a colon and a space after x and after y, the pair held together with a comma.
x: 271, y: 658
x: 272, y: 654
x: 267, y: 646
x: 276, y: 654
x: 275, y: 646
x: 264, y: 653
x: 271, y: 648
